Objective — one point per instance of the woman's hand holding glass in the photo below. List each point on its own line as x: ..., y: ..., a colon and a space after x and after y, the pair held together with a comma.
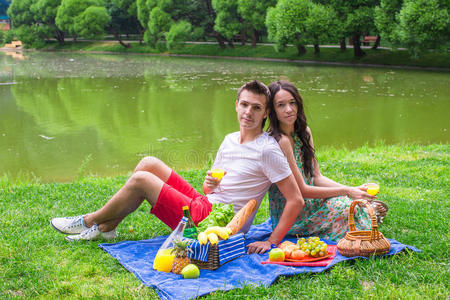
x: 360, y: 192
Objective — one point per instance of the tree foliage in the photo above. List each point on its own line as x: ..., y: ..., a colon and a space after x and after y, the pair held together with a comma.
x: 68, y: 12
x: 322, y: 25
x: 178, y: 32
x: 416, y: 24
x: 24, y: 24
x: 227, y: 22
x: 423, y: 24
x: 44, y: 12
x: 159, y: 23
x: 253, y: 12
x: 91, y: 23
x: 286, y: 23
x: 385, y: 18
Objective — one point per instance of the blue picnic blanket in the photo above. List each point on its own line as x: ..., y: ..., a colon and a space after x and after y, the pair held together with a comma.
x: 137, y: 257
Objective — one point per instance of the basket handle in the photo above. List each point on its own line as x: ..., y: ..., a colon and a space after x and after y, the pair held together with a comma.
x: 351, y: 218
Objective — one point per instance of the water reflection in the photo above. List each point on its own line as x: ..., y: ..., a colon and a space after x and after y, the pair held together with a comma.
x: 118, y: 108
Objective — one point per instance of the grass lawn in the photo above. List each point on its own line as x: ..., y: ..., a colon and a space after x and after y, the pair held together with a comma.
x: 36, y: 261
x: 379, y: 56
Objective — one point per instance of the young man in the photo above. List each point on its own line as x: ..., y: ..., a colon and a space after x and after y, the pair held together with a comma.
x: 252, y: 161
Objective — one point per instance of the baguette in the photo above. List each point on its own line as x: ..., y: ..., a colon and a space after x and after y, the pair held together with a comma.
x: 241, y: 217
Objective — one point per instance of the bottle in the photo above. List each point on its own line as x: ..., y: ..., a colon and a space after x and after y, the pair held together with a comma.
x: 164, y: 257
x: 191, y: 230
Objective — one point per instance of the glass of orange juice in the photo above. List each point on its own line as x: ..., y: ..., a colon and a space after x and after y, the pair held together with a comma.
x: 217, y: 173
x: 372, y: 189
x: 164, y: 260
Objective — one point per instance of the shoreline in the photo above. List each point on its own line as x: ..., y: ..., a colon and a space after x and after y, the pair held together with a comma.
x: 244, y: 58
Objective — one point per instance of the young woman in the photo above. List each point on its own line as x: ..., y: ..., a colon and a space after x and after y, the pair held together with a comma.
x: 325, y: 213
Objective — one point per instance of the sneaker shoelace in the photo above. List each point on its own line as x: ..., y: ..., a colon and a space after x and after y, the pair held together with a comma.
x: 78, y: 220
x: 88, y: 231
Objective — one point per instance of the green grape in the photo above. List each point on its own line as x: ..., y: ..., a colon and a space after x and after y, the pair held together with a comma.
x: 321, y: 253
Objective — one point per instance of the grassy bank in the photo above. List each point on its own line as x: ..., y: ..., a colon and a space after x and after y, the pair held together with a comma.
x: 36, y: 261
x: 379, y: 56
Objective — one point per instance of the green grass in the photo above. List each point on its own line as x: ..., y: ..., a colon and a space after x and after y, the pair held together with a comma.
x: 35, y: 260
x: 382, y: 57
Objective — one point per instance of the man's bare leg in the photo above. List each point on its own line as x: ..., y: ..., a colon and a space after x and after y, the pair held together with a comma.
x: 145, y: 183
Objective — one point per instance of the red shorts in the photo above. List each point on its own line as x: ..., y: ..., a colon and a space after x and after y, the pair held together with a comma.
x: 175, y: 194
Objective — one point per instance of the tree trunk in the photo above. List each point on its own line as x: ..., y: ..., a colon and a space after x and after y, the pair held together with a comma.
x: 301, y: 49
x: 59, y: 35
x: 141, y: 35
x: 377, y: 43
x: 117, y: 36
x: 343, y: 45
x: 220, y: 39
x: 254, y: 38
x: 357, y: 46
x: 244, y: 37
x: 230, y: 43
x: 74, y: 38
x: 316, y: 48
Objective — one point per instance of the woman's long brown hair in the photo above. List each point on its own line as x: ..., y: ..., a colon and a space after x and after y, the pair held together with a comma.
x: 299, y: 126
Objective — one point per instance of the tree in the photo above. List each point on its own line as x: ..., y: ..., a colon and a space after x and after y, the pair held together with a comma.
x: 159, y: 23
x: 153, y: 13
x: 254, y: 13
x: 227, y: 22
x: 286, y: 23
x: 123, y: 18
x: 178, y: 32
x: 384, y: 18
x: 359, y: 22
x: 23, y: 23
x: 44, y: 12
x: 321, y: 25
x: 91, y: 23
x: 419, y: 25
x: 20, y: 13
x: 69, y: 10
x: 355, y: 18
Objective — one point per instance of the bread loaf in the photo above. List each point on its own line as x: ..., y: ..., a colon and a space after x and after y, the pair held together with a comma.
x: 242, y: 216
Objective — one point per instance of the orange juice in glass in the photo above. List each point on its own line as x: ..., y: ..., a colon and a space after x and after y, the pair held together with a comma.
x: 373, y: 189
x: 217, y: 173
x: 164, y: 260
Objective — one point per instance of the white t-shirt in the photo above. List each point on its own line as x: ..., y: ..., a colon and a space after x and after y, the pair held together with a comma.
x: 251, y: 169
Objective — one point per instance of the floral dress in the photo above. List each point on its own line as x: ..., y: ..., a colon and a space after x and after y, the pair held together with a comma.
x: 325, y: 218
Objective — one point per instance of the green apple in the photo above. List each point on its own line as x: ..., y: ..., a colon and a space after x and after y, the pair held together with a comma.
x: 191, y: 271
x: 276, y: 254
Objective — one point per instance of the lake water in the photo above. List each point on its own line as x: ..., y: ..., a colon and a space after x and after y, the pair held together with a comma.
x: 59, y: 111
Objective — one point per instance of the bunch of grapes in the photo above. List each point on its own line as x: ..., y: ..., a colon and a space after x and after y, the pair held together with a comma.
x: 313, y: 246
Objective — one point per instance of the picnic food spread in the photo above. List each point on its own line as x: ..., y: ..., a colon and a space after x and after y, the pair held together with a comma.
x: 219, y: 225
x: 311, y: 248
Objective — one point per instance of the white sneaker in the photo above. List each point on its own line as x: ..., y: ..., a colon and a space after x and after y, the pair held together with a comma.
x: 92, y: 234
x: 70, y: 225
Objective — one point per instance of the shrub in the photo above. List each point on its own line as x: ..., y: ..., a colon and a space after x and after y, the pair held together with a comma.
x: 9, y: 36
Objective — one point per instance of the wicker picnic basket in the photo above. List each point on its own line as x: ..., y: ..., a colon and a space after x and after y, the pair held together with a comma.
x: 213, y: 259
x: 363, y: 242
x: 235, y: 225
